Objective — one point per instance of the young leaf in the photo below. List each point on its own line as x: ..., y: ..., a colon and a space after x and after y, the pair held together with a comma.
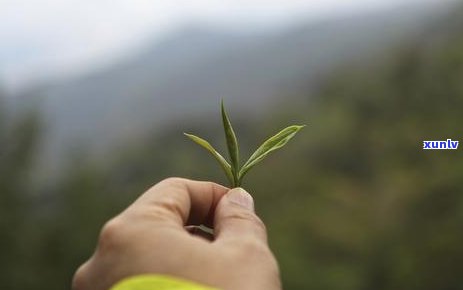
x: 273, y: 143
x: 234, y: 173
x: 232, y: 145
x: 203, y: 143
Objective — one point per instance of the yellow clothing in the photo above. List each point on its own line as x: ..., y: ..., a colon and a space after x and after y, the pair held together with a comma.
x: 157, y: 282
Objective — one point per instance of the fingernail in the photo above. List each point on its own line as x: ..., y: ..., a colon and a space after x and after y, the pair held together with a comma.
x: 241, y: 197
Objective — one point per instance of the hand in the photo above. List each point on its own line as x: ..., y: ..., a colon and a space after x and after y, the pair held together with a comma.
x: 150, y: 237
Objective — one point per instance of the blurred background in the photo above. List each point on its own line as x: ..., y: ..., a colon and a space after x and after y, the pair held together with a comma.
x: 95, y: 96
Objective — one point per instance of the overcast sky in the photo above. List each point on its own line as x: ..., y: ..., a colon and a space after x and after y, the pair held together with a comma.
x: 42, y: 37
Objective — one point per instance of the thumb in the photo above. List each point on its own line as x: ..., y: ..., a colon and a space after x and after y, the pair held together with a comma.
x: 235, y: 218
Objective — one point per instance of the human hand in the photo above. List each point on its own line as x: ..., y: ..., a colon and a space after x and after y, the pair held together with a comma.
x: 150, y: 237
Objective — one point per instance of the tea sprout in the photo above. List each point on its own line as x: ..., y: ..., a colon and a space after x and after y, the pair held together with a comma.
x: 232, y: 169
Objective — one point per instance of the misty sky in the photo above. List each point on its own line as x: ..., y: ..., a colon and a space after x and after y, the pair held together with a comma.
x: 46, y: 37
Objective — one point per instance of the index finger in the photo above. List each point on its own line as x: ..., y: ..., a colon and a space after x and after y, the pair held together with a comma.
x: 181, y: 201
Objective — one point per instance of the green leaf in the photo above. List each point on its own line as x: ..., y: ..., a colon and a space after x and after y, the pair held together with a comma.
x: 206, y: 145
x: 232, y: 145
x: 273, y: 143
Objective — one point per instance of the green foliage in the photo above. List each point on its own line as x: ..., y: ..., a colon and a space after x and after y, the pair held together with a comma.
x: 234, y: 173
x: 225, y: 165
x: 371, y: 209
x: 273, y: 143
x: 18, y: 141
x: 232, y: 146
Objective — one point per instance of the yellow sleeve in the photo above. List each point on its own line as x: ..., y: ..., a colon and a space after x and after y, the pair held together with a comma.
x: 157, y: 282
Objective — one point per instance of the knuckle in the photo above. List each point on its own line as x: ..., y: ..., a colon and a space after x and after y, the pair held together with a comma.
x: 259, y: 223
x: 111, y: 234
x: 164, y: 209
x: 78, y: 281
x: 174, y: 181
x: 249, y: 217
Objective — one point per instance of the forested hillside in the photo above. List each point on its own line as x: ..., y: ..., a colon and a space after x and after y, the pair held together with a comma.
x: 188, y: 70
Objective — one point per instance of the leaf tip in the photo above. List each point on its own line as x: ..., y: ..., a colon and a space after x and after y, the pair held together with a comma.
x: 222, y: 107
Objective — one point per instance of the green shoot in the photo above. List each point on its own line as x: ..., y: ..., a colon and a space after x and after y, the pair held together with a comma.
x: 233, y: 171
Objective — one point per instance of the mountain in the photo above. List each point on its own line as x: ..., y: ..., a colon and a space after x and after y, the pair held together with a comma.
x: 190, y: 70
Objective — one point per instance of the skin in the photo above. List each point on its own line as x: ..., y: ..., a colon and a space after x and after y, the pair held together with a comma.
x: 150, y: 237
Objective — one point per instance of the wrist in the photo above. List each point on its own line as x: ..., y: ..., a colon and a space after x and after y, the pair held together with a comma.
x: 158, y: 282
